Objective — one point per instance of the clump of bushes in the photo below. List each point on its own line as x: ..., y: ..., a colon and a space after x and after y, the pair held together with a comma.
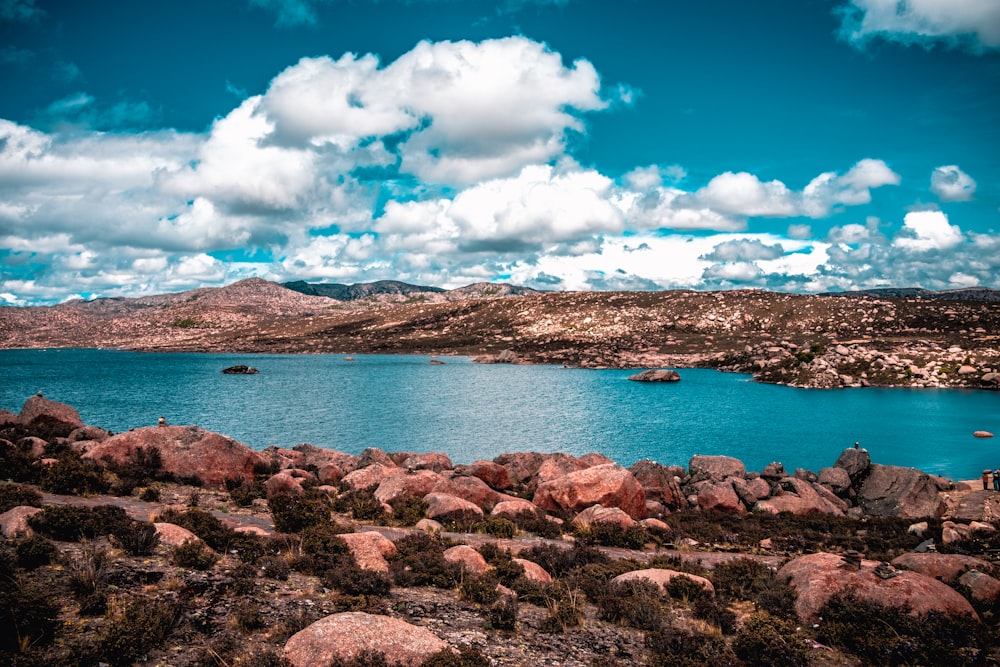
x: 293, y: 512
x: 16, y: 495
x: 72, y: 475
x: 503, y: 613
x: 769, y: 641
x: 203, y: 524
x: 244, y: 493
x: 749, y: 579
x: 72, y: 523
x: 30, y: 613
x: 192, y: 554
x: 613, y: 535
x: 360, y: 504
x: 34, y: 551
x: 419, y: 561
x: 136, y: 625
x: 409, y: 510
x: 676, y: 647
x: 637, y: 603
x: 89, y: 577
x: 138, y: 538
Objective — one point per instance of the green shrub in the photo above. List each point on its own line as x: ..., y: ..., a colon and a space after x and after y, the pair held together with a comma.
x: 613, y: 535
x: 346, y: 577
x: 192, y: 554
x: 203, y: 524
x: 30, y: 613
x: 674, y: 647
x: 467, y: 656
x: 142, y: 465
x: 537, y: 523
x: 769, y: 641
x: 149, y: 494
x: 323, y: 539
x: 71, y: 523
x: 245, y: 493
x: 34, y: 551
x: 881, y: 635
x: 247, y: 616
x: 136, y: 626
x: 481, y: 589
x: 275, y: 567
x: 138, y: 538
x: 16, y: 495
x: 419, y: 561
x: 409, y: 510
x: 498, y: 527
x: 293, y: 513
x: 360, y: 504
x: 502, y: 614
x: 559, y: 561
x: 637, y: 603
x: 71, y: 475
x: 565, y: 605
x: 707, y: 609
x: 88, y: 577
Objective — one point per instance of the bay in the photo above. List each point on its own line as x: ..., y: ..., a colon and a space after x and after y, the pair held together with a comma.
x: 472, y: 411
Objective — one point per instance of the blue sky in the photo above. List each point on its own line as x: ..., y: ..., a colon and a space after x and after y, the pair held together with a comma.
x: 792, y: 145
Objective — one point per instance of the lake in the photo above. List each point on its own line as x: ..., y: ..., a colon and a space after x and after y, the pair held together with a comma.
x: 472, y: 411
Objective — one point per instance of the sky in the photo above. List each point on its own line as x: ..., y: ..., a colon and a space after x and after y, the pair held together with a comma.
x: 791, y: 145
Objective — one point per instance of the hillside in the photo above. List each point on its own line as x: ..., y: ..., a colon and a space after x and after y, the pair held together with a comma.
x: 818, y: 340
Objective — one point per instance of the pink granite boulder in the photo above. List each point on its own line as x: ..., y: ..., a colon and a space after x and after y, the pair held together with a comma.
x: 14, y: 522
x: 370, y: 550
x: 352, y: 635
x: 609, y: 485
x: 40, y: 407
x: 468, y: 559
x: 662, y: 577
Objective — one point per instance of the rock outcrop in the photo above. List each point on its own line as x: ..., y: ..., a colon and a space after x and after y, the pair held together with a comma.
x: 662, y: 577
x: 39, y: 407
x: 901, y: 492
x: 351, y: 635
x: 656, y: 375
x: 609, y: 485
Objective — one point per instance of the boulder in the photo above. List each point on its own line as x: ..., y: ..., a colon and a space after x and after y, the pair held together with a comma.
x: 88, y: 433
x: 370, y: 550
x: 371, y: 476
x: 14, y: 522
x: 513, y: 507
x: 818, y: 577
x: 240, y: 369
x: 609, y: 485
x: 592, y: 459
x: 558, y: 465
x: 412, y: 484
x: 717, y: 468
x: 429, y: 526
x: 982, y: 434
x: 185, y: 452
x: 373, y: 455
x: 656, y: 526
x: 534, y: 571
x: 982, y: 588
x: 39, y: 406
x: 659, y: 482
x: 943, y: 567
x: 494, y: 474
x: 435, y: 461
x: 758, y: 487
x: 521, y: 466
x: 34, y: 447
x: 347, y: 636
x: 319, y: 456
x: 721, y: 497
x: 330, y: 473
x: 172, y: 535
x: 837, y: 479
x: 744, y: 492
x: 472, y: 489
x: 774, y: 472
x: 445, y: 507
x: 656, y: 375
x: 900, y: 492
x: 855, y: 461
x: 7, y: 417
x: 800, y: 497
x: 468, y: 559
x: 952, y: 532
x: 662, y: 577
x: 284, y: 482
x: 598, y: 515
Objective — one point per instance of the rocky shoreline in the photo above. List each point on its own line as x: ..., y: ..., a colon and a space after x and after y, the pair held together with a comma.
x: 307, y: 556
x: 816, y: 341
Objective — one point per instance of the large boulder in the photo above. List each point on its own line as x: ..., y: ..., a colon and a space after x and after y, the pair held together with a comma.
x: 558, y: 464
x: 801, y: 497
x: 719, y: 496
x: 172, y: 535
x: 14, y: 522
x: 717, y: 468
x: 436, y: 461
x: 837, y: 479
x: 659, y: 482
x: 473, y: 489
x: 599, y: 515
x: 38, y: 406
x: 513, y: 507
x: 981, y: 587
x: 467, y: 558
x: 494, y: 474
x: 609, y: 485
x: 446, y: 507
x: 533, y: 571
x: 656, y: 375
x: 415, y: 484
x: 900, y: 492
x: 351, y: 635
x: 185, y: 452
x: 817, y: 578
x: 943, y: 567
x: 662, y: 578
x: 521, y: 466
x: 371, y: 476
x: 855, y: 461
x: 7, y: 417
x: 370, y: 550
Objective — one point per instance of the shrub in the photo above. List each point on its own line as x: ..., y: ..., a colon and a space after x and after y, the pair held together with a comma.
x: 558, y: 561
x: 247, y: 616
x: 686, y: 589
x: 502, y: 614
x: 408, y: 511
x: 419, y: 561
x: 203, y: 524
x: 323, y: 539
x: 345, y: 576
x: 244, y: 494
x: 71, y: 523
x: 16, y: 463
x: 193, y: 554
x: 30, y: 614
x: 275, y: 567
x: 142, y: 465
x: 537, y: 523
x: 138, y: 538
x: 673, y: 647
x: 636, y: 603
x: 613, y: 535
x: 480, y: 589
x: 565, y: 607
x: 360, y: 504
x: 881, y: 635
x: 16, y: 495
x: 89, y: 578
x: 707, y: 609
x: 768, y: 641
x: 293, y: 513
x: 135, y: 626
x: 34, y: 551
x: 468, y: 656
x: 498, y: 527
x: 71, y: 475
x: 149, y: 494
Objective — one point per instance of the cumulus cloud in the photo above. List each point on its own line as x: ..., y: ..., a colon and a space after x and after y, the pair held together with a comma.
x: 975, y: 23
x: 928, y: 230
x: 744, y: 250
x: 950, y: 183
x: 460, y: 112
x: 745, y: 194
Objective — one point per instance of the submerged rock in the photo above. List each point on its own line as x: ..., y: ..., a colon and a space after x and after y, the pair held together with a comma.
x: 656, y: 375
x: 240, y: 370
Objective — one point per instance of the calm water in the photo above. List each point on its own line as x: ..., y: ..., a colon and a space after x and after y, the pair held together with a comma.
x: 473, y: 411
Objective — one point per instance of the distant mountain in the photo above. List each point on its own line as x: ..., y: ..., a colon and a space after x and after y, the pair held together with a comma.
x: 394, y: 287
x: 358, y: 291
x: 964, y: 294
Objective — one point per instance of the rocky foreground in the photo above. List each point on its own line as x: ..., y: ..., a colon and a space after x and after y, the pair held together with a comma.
x: 172, y: 545
x: 810, y: 341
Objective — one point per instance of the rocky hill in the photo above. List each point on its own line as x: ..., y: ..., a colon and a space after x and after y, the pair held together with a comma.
x: 801, y: 340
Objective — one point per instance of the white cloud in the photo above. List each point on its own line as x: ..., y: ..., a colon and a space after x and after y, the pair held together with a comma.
x: 830, y: 190
x: 928, y: 230
x: 746, y: 195
x: 974, y: 22
x: 744, y: 250
x: 950, y: 183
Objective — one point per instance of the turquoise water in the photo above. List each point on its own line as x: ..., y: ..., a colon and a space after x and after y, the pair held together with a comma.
x: 473, y: 411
